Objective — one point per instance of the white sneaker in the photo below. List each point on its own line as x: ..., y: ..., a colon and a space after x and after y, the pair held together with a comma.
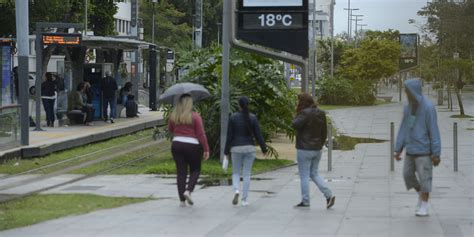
x: 244, y: 203
x: 422, y: 211
x: 187, y: 195
x: 418, y: 205
x: 182, y: 204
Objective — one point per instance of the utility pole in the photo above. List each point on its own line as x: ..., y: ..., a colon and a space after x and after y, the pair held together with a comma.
x: 349, y: 20
x: 312, y: 54
x: 225, y: 108
x: 153, y: 22
x: 85, y: 16
x: 218, y: 32
x: 332, y: 38
x: 198, y: 26
x: 356, y: 23
x: 22, y: 20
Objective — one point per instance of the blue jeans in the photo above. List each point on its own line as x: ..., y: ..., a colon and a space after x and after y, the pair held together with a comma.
x: 239, y: 159
x: 113, y: 107
x: 48, y: 105
x: 308, y: 162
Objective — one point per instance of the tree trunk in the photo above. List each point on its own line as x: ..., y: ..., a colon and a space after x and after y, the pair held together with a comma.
x: 78, y: 56
x: 47, y: 53
x: 461, y: 106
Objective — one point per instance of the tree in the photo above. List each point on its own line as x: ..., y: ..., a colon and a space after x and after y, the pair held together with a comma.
x: 171, y: 27
x: 451, y: 24
x: 259, y: 78
x: 373, y: 60
x: 324, y: 53
x: 212, y: 14
x: 7, y: 14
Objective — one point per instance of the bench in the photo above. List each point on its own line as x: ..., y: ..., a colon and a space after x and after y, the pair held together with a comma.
x: 76, y: 116
x: 385, y: 98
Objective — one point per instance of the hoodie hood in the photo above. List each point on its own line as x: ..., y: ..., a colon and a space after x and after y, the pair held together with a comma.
x: 414, y: 87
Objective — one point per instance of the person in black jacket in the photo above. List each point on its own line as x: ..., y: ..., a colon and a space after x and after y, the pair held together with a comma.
x: 48, y: 96
x: 109, y: 90
x: 311, y: 133
x: 243, y: 127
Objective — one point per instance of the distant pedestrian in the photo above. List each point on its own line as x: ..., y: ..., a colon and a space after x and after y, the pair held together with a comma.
x: 189, y: 141
x: 109, y: 90
x: 419, y: 136
x: 243, y: 128
x: 48, y: 97
x: 311, y: 133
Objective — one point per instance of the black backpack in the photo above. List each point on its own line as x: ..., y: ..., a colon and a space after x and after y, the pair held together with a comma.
x: 131, y: 107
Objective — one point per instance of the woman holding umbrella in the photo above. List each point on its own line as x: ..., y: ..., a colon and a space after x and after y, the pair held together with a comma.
x: 188, y: 137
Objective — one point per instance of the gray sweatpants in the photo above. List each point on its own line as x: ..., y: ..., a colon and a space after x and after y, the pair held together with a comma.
x: 418, y: 173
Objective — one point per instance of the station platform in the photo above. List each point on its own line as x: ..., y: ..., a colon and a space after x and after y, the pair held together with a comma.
x: 65, y: 137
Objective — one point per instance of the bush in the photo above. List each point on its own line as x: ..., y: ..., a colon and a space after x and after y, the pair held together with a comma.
x: 339, y: 91
x: 335, y: 91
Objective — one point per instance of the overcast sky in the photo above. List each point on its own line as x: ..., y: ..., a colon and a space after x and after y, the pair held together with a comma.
x: 380, y: 14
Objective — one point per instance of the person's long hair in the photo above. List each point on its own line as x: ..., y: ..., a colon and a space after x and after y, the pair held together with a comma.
x: 305, y: 100
x: 182, y: 112
x: 244, y: 108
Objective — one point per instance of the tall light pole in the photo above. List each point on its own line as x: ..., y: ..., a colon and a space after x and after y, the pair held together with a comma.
x: 85, y: 16
x: 349, y: 21
x: 332, y: 37
x: 22, y: 20
x: 313, y: 60
x: 153, y: 22
x: 356, y: 22
x: 218, y: 32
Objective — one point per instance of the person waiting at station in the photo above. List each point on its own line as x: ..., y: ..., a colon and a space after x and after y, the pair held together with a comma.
x: 78, y: 101
x: 48, y: 96
x: 109, y: 89
x: 124, y: 92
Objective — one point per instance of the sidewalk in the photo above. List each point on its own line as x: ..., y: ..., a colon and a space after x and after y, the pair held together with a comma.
x: 371, y: 200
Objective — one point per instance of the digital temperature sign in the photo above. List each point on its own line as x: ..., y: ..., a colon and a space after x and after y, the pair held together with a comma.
x: 62, y: 39
x: 276, y: 24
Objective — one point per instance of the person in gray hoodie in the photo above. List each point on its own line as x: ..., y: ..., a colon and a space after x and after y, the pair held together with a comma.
x: 419, y: 136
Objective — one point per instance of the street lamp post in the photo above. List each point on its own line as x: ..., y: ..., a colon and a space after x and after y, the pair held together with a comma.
x: 218, y: 32
x: 349, y: 20
x: 153, y: 22
x: 356, y: 20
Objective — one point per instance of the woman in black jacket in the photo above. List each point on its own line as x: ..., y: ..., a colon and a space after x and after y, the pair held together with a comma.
x: 311, y: 133
x: 48, y: 96
x: 243, y: 127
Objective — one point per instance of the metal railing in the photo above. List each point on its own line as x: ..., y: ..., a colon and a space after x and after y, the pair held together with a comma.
x: 10, y: 126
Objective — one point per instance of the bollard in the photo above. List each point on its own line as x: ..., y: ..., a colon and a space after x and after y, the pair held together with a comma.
x: 455, y: 146
x: 392, y: 145
x: 329, y: 146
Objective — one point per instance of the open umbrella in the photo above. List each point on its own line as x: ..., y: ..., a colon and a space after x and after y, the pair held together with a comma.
x: 172, y: 94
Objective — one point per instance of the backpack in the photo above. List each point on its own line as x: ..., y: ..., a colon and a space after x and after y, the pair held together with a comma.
x: 131, y: 107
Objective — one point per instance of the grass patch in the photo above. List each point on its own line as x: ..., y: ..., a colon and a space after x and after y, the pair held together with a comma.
x: 331, y: 107
x: 346, y: 143
x: 17, y: 166
x: 470, y: 129
x: 461, y: 116
x: 135, y: 168
x: 213, y: 167
x: 39, y: 208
